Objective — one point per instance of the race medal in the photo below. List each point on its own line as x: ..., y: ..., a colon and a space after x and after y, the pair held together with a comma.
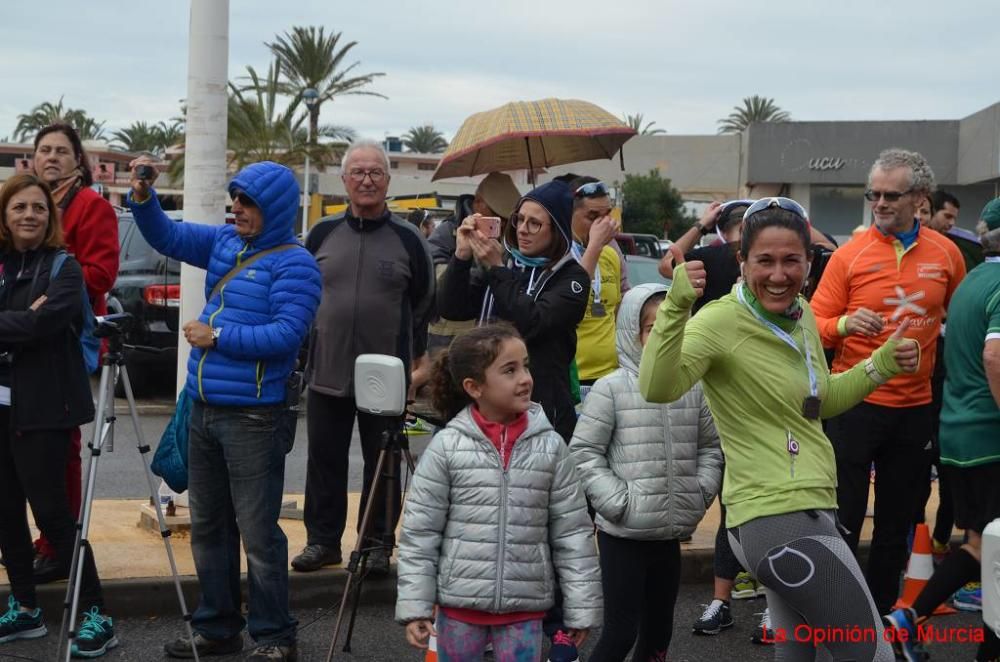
x: 810, y: 407
x: 597, y: 309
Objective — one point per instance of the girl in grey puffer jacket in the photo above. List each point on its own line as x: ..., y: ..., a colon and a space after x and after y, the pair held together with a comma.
x: 650, y: 471
x: 495, y: 515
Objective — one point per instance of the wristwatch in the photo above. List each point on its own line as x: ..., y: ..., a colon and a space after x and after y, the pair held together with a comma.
x: 216, y: 332
x: 702, y: 230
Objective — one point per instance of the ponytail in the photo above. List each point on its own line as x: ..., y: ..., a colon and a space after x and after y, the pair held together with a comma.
x: 447, y: 397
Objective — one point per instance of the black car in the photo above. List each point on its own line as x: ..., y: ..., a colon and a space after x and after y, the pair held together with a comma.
x: 148, y: 286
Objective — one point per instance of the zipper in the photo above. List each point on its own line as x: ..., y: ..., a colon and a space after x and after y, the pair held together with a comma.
x: 211, y: 321
x: 502, y: 529
x: 260, y: 377
x: 357, y: 287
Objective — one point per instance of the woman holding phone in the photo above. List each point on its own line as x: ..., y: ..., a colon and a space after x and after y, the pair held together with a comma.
x: 530, y: 280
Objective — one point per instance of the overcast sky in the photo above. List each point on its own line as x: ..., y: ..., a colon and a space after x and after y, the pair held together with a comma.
x: 682, y: 64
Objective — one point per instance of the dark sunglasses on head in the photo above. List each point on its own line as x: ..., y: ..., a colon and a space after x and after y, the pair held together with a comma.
x: 890, y: 196
x: 591, y: 190
x: 244, y: 199
x: 782, y: 203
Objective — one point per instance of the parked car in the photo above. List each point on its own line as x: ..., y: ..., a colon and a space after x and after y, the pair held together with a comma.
x: 148, y: 286
x: 647, y: 245
x: 644, y: 270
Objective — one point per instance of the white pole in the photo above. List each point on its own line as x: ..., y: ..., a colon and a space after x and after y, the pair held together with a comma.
x: 305, y: 184
x: 204, y: 147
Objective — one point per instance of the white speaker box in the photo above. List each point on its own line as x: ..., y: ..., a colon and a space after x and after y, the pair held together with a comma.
x: 380, y: 384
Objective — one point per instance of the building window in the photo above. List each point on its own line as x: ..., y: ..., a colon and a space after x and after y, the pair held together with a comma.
x: 393, y: 165
x: 837, y: 210
x: 426, y: 166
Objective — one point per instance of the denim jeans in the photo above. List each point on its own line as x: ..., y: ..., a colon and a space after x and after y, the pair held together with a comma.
x: 236, y: 471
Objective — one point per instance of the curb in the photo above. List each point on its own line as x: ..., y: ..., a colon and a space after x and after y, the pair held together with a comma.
x: 156, y: 596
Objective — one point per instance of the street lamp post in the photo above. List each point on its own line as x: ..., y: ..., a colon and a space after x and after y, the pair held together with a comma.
x: 310, y: 96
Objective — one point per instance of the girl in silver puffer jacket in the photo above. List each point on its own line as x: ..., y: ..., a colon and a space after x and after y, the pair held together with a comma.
x: 495, y: 515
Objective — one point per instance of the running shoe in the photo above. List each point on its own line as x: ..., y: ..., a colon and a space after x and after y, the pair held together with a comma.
x: 745, y: 587
x: 764, y: 633
x: 716, y: 617
x: 969, y: 597
x: 16, y: 624
x: 416, y: 426
x: 563, y: 649
x: 96, y: 635
x: 905, y: 646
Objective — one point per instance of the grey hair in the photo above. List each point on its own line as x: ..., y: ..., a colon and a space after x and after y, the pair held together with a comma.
x: 921, y: 175
x: 364, y: 143
x: 990, y: 239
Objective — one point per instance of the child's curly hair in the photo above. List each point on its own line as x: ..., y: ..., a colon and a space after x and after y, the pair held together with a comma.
x: 469, y: 355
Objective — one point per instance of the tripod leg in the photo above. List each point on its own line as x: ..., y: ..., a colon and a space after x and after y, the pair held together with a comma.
x: 352, y: 568
x: 154, y: 496
x: 102, y: 424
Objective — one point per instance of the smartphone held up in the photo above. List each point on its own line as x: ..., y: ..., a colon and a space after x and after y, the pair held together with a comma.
x: 489, y: 226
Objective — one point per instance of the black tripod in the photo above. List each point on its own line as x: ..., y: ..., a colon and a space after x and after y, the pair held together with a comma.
x: 113, y: 368
x: 394, y: 442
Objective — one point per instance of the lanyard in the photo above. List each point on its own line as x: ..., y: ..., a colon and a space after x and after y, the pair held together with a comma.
x: 787, y: 339
x: 595, y: 285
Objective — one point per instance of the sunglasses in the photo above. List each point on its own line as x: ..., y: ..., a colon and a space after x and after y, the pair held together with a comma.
x: 244, y: 199
x: 592, y: 190
x: 782, y: 203
x: 358, y: 175
x: 888, y: 196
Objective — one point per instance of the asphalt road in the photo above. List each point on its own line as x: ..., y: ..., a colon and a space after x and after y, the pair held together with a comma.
x: 378, y: 638
x: 121, y: 476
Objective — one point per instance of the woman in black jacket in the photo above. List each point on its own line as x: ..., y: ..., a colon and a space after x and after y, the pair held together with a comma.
x: 537, y: 286
x: 44, y: 395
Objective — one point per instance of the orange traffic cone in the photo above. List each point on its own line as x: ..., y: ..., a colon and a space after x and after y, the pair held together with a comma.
x: 919, y: 571
x: 432, y: 649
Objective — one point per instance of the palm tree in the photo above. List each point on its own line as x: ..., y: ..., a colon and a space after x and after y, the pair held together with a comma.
x: 258, y: 130
x: 137, y: 137
x: 425, y: 139
x: 46, y: 113
x: 754, y: 109
x: 635, y: 122
x: 311, y: 59
x: 170, y: 134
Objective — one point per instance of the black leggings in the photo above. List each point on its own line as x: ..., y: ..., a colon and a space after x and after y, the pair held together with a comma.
x: 33, y: 470
x: 726, y: 565
x: 640, y: 579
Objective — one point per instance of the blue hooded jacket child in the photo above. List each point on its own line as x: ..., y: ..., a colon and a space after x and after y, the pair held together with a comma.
x: 265, y: 312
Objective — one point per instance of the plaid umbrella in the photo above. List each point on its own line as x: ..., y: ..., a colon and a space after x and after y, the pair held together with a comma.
x: 528, y: 134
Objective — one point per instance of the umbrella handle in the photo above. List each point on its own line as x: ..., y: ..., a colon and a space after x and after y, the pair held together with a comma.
x: 531, y: 167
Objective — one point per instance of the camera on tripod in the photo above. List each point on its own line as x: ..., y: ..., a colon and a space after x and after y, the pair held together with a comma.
x: 112, y: 326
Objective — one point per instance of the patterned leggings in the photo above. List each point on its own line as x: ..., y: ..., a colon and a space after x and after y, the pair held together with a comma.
x: 463, y: 642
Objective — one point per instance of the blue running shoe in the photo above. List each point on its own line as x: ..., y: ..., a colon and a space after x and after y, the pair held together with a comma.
x: 969, y: 597
x: 95, y: 637
x: 16, y: 624
x: 904, y: 640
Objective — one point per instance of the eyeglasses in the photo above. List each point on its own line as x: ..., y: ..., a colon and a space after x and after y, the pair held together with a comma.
x: 591, y: 190
x: 358, y: 175
x: 531, y: 225
x: 782, y: 203
x: 888, y: 196
x: 244, y: 199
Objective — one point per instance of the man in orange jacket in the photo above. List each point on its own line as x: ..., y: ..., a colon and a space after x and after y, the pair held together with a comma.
x: 896, y: 270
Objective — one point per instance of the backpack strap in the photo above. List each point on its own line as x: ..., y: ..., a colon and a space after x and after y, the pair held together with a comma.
x: 240, y: 267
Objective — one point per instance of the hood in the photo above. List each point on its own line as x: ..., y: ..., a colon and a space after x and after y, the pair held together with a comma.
x: 274, y: 188
x: 627, y: 326
x: 537, y: 424
x: 557, y: 199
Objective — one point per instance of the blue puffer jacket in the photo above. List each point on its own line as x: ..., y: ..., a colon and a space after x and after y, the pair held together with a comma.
x: 265, y: 311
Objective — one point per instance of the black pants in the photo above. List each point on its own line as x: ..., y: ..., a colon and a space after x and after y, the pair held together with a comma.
x: 640, y: 580
x: 897, y: 440
x: 33, y: 470
x: 725, y: 563
x: 330, y: 424
x: 944, y: 521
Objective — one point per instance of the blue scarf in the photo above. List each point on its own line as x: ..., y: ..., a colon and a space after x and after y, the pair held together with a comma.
x: 907, y: 238
x: 522, y: 260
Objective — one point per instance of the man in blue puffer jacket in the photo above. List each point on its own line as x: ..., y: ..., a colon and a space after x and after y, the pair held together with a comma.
x: 244, y: 345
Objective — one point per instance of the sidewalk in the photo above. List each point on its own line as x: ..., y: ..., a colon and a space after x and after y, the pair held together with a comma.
x: 133, y: 565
